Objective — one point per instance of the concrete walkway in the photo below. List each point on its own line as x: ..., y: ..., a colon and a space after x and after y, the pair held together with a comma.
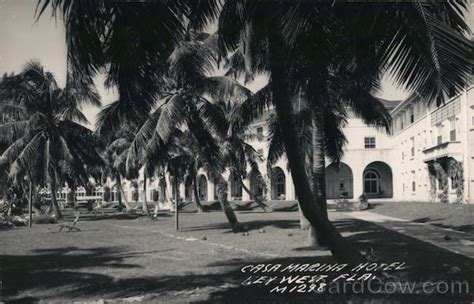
x: 449, y: 239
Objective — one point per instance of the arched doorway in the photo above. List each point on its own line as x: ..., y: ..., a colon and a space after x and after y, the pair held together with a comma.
x: 174, y: 191
x: 235, y: 187
x: 278, y: 184
x: 339, y: 181
x: 378, y: 180
x: 202, y: 187
x: 188, y: 189
x: 257, y: 184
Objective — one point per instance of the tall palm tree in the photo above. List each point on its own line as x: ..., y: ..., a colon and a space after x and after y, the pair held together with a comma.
x: 47, y: 140
x: 420, y: 42
x: 129, y: 43
x: 114, y: 157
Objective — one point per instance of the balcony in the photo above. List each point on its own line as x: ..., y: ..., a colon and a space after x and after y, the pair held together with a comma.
x: 443, y: 149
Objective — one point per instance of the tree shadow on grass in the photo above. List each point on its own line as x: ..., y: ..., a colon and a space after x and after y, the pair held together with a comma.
x: 252, y: 225
x: 424, y: 263
x: 69, y: 273
x: 438, y: 223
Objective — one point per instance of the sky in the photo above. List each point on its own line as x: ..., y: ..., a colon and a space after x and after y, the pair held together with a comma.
x: 22, y: 39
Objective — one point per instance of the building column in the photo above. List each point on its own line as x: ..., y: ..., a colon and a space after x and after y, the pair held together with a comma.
x: 211, y: 188
x: 245, y: 195
x: 290, y: 187
x: 466, y: 161
x: 182, y: 190
x: 358, y: 181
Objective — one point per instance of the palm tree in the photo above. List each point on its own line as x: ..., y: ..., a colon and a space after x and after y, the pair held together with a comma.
x: 129, y: 43
x: 190, y: 104
x: 47, y: 139
x: 419, y: 42
x: 114, y: 159
x: 407, y: 38
x: 237, y: 154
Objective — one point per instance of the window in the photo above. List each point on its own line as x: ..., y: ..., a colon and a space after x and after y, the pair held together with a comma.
x: 402, y: 122
x: 412, y: 116
x: 440, y: 134
x: 235, y: 187
x: 260, y: 152
x: 260, y: 133
x: 412, y: 139
x: 369, y: 142
x: 413, y: 182
x: 452, y: 132
x: 472, y: 122
x: 280, y: 184
x: 371, y: 182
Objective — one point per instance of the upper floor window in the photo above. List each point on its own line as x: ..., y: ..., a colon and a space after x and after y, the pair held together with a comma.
x: 440, y: 134
x: 412, y: 139
x: 452, y: 131
x: 369, y: 142
x: 412, y: 115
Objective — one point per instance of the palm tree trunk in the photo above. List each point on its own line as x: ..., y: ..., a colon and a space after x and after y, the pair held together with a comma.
x: 122, y: 193
x: 168, y: 189
x: 54, y: 203
x: 226, y: 207
x: 36, y: 201
x: 196, y: 194
x: 176, y: 204
x: 253, y: 197
x: 340, y: 248
x: 145, y: 204
x: 30, y: 204
x: 318, y: 170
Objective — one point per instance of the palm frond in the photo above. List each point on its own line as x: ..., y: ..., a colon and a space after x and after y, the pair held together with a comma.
x: 171, y: 116
x: 12, y: 131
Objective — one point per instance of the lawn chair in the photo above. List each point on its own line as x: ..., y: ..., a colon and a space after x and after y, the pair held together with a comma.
x: 133, y: 210
x: 71, y: 227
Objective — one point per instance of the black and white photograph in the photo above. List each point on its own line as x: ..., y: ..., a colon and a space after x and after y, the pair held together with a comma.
x: 236, y: 151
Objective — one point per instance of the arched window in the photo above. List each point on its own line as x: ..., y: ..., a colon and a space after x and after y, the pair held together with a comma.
x: 81, y: 191
x: 235, y: 187
x: 202, y: 187
x: 371, y: 181
x: 278, y: 184
x: 114, y: 194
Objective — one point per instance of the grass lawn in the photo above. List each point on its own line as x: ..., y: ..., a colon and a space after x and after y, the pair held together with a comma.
x: 118, y: 256
x: 454, y: 216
